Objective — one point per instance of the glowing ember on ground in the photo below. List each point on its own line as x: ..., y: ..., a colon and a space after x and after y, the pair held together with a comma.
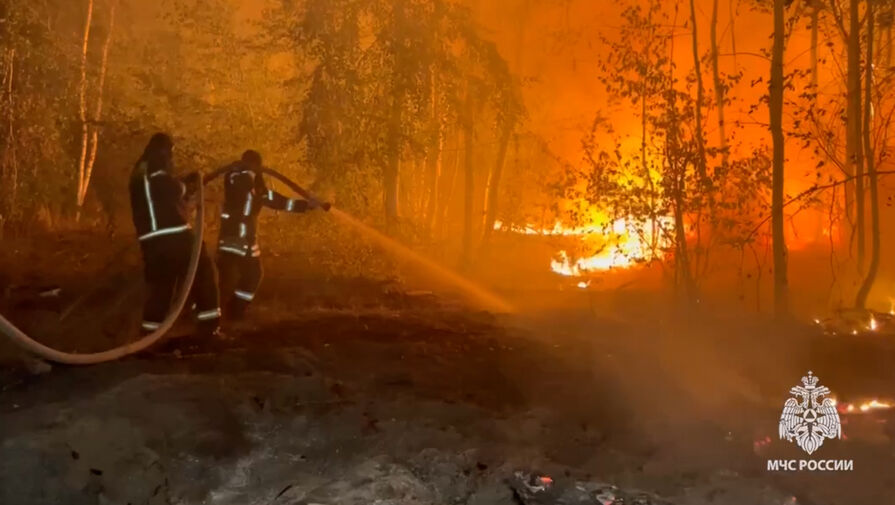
x: 583, y: 284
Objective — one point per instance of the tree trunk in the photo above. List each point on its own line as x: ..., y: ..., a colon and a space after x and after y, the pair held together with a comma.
x: 682, y: 257
x: 700, y: 99
x: 853, y: 148
x: 815, y: 21
x: 733, y: 31
x: 98, y: 113
x: 9, y: 162
x: 775, y: 106
x: 82, y: 109
x: 469, y: 180
x: 654, y: 221
x: 390, y: 171
x: 870, y: 278
x: 889, y: 41
x: 393, y: 135
x: 433, y: 158
x: 442, y: 217
x: 492, y: 191
x: 719, y: 86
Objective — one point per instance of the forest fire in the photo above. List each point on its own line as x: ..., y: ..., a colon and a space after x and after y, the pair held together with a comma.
x: 547, y: 250
x: 863, y: 407
x: 618, y: 246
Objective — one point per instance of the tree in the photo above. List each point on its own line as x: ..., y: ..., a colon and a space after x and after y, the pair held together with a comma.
x: 869, y: 150
x: 700, y: 95
x: 87, y: 171
x: 660, y: 188
x: 775, y: 108
x: 509, y: 112
x: 82, y: 109
x: 718, y: 84
x: 854, y: 153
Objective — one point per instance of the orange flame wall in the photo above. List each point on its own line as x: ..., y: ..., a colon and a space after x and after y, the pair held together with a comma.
x: 555, y: 47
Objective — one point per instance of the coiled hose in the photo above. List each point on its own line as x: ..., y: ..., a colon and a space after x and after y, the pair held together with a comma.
x: 48, y: 353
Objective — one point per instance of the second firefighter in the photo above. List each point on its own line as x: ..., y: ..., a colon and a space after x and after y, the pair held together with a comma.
x: 239, y: 255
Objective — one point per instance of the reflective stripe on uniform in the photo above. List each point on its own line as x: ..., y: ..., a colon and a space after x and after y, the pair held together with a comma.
x: 244, y: 295
x: 149, y: 325
x: 248, y: 207
x: 242, y: 229
x: 209, y: 314
x: 225, y: 215
x: 270, y: 194
x: 165, y: 231
x: 290, y: 205
x: 149, y: 204
x: 232, y: 250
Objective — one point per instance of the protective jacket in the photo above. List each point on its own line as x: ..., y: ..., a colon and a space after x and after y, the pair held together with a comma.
x: 156, y: 201
x: 245, y: 194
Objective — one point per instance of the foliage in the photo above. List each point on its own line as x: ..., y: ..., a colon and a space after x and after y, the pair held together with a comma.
x: 652, y: 180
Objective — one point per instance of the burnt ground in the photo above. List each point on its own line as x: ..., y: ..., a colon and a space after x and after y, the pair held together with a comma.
x: 344, y: 391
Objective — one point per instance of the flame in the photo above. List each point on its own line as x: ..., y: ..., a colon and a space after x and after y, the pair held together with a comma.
x: 565, y: 266
x: 557, y: 229
x: 621, y: 249
x: 864, y: 407
x: 874, y: 405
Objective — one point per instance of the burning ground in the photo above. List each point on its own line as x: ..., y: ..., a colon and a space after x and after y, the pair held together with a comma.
x: 361, y: 391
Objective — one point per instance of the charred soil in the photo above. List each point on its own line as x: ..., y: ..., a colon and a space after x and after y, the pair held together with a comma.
x: 343, y: 391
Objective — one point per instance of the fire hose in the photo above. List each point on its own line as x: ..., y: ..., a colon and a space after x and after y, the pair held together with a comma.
x: 48, y: 353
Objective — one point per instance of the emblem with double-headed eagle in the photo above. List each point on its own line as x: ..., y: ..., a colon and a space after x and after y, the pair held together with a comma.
x: 809, y: 417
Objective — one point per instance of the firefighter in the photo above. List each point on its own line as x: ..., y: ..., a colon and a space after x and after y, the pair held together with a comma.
x: 239, y: 256
x: 161, y: 205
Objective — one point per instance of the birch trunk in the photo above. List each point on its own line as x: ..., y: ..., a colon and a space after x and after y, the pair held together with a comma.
x: 82, y: 106
x: 98, y: 113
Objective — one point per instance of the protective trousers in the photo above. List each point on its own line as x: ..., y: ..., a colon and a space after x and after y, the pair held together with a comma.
x: 166, y: 261
x: 240, y: 278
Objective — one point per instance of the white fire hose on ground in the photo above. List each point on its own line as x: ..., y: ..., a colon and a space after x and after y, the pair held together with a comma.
x: 48, y: 353
x: 68, y: 358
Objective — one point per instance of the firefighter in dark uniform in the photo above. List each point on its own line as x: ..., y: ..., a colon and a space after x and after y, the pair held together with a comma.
x: 239, y: 256
x: 161, y: 205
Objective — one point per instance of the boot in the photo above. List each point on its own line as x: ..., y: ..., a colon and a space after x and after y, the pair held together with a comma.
x: 211, y: 330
